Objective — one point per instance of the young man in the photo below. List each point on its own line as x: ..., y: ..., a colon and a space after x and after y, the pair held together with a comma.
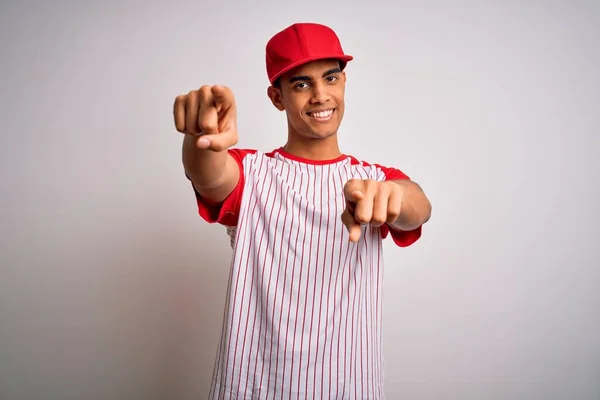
x: 303, y: 311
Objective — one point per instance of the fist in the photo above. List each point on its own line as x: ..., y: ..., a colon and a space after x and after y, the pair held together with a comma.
x: 370, y: 202
x: 209, y: 114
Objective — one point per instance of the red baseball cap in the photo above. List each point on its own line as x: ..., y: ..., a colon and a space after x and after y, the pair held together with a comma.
x: 301, y: 43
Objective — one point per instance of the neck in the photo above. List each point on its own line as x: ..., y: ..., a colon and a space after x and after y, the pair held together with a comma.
x: 313, y: 149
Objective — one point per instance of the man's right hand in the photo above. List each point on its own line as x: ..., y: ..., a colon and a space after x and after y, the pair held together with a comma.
x: 209, y: 114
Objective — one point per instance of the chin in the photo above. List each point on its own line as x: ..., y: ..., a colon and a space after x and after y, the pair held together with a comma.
x: 321, y: 134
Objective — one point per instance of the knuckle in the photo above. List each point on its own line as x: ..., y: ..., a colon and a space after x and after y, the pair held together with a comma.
x: 204, y: 125
x: 192, y: 94
x: 378, y: 219
x: 204, y: 92
x: 361, y: 217
x: 393, y: 215
x: 351, y: 182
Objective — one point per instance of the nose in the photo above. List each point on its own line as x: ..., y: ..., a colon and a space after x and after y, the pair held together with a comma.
x: 320, y: 93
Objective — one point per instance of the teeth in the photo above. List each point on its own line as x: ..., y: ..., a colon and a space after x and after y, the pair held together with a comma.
x: 322, y: 114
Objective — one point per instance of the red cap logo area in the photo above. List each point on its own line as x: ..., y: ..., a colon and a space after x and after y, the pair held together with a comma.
x: 301, y: 43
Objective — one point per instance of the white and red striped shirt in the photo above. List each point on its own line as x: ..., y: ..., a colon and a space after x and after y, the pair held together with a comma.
x: 302, y: 316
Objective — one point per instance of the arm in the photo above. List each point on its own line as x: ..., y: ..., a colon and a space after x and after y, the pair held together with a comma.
x: 213, y: 174
x: 415, y: 209
x: 207, y: 117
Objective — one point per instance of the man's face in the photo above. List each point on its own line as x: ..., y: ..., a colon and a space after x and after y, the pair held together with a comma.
x: 313, y: 97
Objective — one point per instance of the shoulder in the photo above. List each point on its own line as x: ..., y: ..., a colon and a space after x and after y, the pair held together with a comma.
x: 242, y: 153
x: 253, y: 159
x: 384, y: 172
x: 239, y: 153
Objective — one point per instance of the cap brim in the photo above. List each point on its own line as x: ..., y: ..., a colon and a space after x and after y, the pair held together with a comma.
x: 345, y: 58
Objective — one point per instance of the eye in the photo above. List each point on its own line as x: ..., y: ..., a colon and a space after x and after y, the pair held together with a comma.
x: 301, y: 85
x: 331, y: 78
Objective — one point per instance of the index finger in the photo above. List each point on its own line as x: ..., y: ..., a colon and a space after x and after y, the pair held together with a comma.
x: 179, y: 113
x: 353, y: 190
x: 223, y: 97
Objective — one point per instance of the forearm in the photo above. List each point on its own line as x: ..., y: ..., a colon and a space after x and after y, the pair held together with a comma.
x: 415, y: 209
x: 213, y: 173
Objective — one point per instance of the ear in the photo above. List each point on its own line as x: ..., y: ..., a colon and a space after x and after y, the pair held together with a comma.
x: 276, y: 97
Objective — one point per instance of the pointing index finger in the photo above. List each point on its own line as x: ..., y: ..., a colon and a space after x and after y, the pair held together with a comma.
x: 222, y: 96
x: 353, y: 190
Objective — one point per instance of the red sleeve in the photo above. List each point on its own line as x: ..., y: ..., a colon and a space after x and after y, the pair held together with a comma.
x: 226, y: 212
x: 401, y: 238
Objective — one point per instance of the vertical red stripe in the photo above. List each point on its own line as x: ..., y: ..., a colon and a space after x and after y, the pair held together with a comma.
x: 256, y: 267
x: 333, y: 235
x: 283, y: 287
x: 370, y: 330
x: 260, y: 294
x: 379, y: 319
x: 329, y: 233
x: 302, y: 265
x: 317, y: 208
x: 359, y: 328
x: 335, y: 286
x: 233, y: 307
x: 366, y: 271
x: 349, y: 248
x: 283, y: 200
x: 363, y: 309
x: 352, y: 326
x: 290, y: 298
x: 355, y: 328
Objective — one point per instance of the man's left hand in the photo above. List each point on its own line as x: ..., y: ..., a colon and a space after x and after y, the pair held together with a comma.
x: 370, y: 202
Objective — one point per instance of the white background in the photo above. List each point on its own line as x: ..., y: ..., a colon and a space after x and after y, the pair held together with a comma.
x: 111, y: 285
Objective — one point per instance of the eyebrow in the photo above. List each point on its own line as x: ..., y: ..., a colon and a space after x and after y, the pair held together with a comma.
x: 308, y: 78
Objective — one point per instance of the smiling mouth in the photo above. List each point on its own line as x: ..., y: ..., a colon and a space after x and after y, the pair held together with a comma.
x: 321, y: 115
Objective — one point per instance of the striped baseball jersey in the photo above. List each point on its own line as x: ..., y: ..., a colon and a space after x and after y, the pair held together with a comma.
x: 303, y: 309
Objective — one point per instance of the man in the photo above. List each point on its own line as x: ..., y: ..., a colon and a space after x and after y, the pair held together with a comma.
x: 303, y: 311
